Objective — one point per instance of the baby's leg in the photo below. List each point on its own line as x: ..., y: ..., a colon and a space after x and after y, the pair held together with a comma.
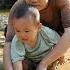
x: 25, y: 64
x: 29, y: 65
x: 18, y: 65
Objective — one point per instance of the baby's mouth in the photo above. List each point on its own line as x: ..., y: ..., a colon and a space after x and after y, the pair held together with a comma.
x: 25, y: 39
x: 35, y: 5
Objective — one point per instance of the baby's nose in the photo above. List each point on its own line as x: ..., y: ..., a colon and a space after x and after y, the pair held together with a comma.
x: 34, y: 1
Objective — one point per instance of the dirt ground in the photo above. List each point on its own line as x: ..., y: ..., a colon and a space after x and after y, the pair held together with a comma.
x: 1, y: 59
x: 63, y: 67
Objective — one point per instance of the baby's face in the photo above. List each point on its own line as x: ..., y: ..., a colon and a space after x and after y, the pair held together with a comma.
x: 25, y: 29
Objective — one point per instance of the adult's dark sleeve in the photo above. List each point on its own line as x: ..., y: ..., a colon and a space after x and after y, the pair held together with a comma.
x: 64, y: 6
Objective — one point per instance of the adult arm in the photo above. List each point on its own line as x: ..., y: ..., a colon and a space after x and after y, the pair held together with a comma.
x: 6, y: 57
x: 57, y: 52
x: 9, y: 37
x: 64, y: 42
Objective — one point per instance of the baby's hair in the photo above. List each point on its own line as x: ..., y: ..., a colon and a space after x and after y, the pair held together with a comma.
x: 26, y: 11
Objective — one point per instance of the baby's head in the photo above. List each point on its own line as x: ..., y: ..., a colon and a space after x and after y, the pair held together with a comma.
x: 26, y: 23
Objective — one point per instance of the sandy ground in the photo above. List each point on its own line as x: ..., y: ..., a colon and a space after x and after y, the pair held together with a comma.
x: 1, y: 59
x: 1, y: 50
x: 66, y: 66
x: 63, y: 67
x: 1, y: 55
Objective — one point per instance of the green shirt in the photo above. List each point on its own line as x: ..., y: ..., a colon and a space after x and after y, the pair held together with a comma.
x: 47, y: 38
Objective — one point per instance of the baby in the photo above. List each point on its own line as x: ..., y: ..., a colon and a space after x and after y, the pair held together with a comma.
x: 32, y: 41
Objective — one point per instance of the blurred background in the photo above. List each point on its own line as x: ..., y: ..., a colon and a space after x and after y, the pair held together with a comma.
x: 5, y: 6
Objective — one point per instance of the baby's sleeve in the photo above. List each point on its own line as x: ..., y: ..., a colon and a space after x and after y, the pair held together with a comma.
x: 51, y: 35
x: 17, y: 50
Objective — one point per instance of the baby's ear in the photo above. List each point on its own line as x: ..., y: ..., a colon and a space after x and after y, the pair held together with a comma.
x: 40, y: 25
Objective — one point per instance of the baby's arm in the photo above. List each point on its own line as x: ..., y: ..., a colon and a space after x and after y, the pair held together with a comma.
x: 17, y: 54
x: 18, y: 65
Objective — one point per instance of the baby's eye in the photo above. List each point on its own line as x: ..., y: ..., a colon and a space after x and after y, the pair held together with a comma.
x: 26, y: 31
x: 18, y: 31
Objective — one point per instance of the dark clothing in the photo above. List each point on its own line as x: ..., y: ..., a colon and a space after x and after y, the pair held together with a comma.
x: 5, y: 30
x: 56, y: 16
